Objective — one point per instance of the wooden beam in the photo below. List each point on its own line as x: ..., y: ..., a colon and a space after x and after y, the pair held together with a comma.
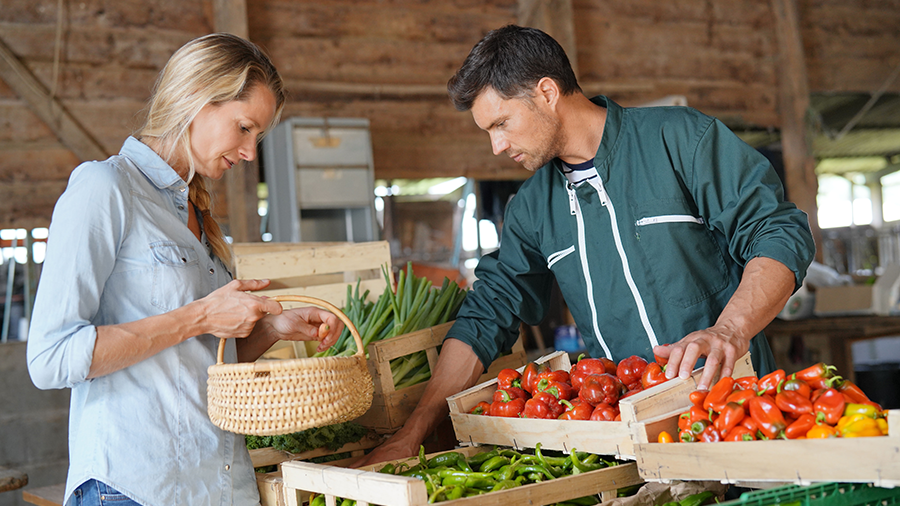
x: 230, y: 16
x: 48, y: 108
x: 799, y: 165
x: 554, y: 17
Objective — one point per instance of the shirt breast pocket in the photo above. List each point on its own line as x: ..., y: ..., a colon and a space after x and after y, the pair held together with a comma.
x: 684, y: 258
x: 174, y: 268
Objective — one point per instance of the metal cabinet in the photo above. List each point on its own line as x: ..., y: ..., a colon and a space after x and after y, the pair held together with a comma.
x: 321, y: 180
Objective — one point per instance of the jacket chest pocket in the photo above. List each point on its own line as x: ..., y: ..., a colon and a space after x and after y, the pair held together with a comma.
x: 174, y: 275
x: 684, y: 259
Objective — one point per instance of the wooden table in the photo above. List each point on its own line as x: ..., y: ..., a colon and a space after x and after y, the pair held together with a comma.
x: 841, y: 332
x: 45, y: 496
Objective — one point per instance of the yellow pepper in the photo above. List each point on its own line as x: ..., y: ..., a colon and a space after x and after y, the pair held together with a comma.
x: 848, y: 419
x: 821, y: 432
x: 882, y: 425
x: 861, y: 409
x: 860, y: 426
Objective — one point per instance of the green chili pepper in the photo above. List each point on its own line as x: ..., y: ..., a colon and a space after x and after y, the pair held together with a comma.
x: 478, y: 458
x: 549, y: 462
x: 503, y: 485
x: 462, y: 465
x: 480, y: 483
x: 448, y: 459
x: 388, y: 469
x: 508, y: 471
x: 422, y: 460
x: 453, y: 472
x: 494, y: 463
x: 583, y: 467
x: 534, y: 477
x: 319, y: 500
x: 455, y: 492
x: 536, y: 468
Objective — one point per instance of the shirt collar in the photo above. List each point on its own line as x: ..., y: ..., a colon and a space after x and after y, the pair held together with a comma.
x: 614, y: 114
x: 151, y: 164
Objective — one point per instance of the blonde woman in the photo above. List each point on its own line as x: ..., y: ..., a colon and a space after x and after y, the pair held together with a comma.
x: 135, y: 291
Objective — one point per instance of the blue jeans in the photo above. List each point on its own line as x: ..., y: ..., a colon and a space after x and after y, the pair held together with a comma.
x: 96, y: 493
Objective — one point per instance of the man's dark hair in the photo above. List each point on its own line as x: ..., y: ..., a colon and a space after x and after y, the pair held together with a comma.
x: 511, y: 60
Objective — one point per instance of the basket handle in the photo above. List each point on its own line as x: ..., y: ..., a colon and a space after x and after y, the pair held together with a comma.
x: 220, y: 359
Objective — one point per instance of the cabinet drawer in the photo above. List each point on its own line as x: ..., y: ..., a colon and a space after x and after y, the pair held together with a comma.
x: 331, y: 146
x: 333, y: 187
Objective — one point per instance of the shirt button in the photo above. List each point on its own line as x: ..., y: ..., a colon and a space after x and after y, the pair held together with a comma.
x: 181, y: 207
x: 227, y: 467
x: 183, y: 188
x: 212, y: 271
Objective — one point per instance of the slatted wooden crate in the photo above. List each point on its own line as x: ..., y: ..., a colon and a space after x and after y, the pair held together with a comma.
x: 391, y: 407
x: 873, y: 460
x: 639, y: 413
x: 321, y: 270
x: 367, y: 486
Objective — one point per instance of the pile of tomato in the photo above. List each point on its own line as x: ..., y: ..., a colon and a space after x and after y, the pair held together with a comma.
x: 812, y: 403
x: 590, y: 390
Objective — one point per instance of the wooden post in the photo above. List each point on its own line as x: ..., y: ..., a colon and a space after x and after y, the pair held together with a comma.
x: 556, y: 19
x: 799, y: 164
x: 230, y: 16
x: 48, y: 108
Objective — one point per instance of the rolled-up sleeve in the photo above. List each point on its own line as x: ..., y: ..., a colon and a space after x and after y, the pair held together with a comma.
x: 88, y: 224
x: 738, y: 191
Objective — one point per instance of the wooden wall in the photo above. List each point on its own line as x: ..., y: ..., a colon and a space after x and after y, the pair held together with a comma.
x: 389, y: 60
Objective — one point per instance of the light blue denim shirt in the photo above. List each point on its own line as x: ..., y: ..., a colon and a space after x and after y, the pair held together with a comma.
x: 120, y: 250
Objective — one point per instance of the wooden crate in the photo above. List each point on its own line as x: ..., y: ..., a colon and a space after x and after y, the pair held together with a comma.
x: 367, y: 486
x: 321, y: 270
x: 873, y: 460
x: 608, y: 438
x: 391, y: 407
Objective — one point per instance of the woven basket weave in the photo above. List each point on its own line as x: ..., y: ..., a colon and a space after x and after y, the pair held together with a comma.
x: 284, y: 396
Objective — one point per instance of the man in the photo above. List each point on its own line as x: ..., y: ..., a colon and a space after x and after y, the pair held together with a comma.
x: 660, y: 226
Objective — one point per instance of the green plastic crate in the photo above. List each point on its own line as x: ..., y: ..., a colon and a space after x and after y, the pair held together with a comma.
x: 823, y: 494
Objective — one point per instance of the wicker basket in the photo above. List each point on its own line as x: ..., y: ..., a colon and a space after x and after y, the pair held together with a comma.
x: 284, y: 396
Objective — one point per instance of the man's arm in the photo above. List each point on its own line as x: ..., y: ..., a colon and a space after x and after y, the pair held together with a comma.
x: 765, y: 288
x: 457, y: 368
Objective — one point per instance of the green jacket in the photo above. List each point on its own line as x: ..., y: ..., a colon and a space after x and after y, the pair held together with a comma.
x: 647, y: 255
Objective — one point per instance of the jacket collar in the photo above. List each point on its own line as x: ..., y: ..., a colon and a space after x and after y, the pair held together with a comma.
x: 614, y: 114
x: 151, y: 165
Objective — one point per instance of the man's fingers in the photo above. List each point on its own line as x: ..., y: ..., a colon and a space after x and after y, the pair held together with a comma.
x: 675, y: 356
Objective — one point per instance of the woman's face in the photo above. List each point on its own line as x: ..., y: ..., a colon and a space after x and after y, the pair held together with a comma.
x: 222, y: 135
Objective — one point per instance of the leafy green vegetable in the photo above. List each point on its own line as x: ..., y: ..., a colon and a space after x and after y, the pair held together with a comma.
x: 332, y: 437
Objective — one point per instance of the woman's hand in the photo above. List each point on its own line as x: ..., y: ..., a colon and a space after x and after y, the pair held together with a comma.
x: 232, y: 312
x: 306, y: 324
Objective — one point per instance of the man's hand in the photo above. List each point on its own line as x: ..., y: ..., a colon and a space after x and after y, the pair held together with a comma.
x: 764, y: 290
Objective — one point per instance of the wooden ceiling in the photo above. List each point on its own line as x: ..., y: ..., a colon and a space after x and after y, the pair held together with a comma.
x: 93, y: 63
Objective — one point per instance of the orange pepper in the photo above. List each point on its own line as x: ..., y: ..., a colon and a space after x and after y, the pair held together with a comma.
x: 821, y: 432
x: 665, y: 437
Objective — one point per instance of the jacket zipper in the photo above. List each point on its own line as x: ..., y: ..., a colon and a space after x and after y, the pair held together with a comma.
x: 575, y: 209
x: 559, y: 255
x: 597, y: 183
x: 668, y: 218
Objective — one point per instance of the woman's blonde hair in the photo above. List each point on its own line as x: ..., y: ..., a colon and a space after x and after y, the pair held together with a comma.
x: 209, y: 70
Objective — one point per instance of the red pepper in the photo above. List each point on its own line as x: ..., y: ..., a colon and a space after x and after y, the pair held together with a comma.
x: 590, y: 366
x: 741, y: 397
x: 740, y: 433
x: 653, y: 375
x: 746, y: 383
x: 767, y: 416
x: 558, y: 389
x: 535, y: 408
x: 687, y: 436
x: 482, y: 408
x: 853, y: 392
x: 507, y: 406
x: 800, y: 426
x: 603, y: 412
x: 792, y: 403
x: 710, y: 435
x: 795, y: 384
x: 560, y: 376
x: 817, y: 375
x: 552, y: 402
x: 684, y: 420
x: 579, y: 411
x: 718, y: 394
x: 631, y: 392
x: 731, y: 415
x: 698, y: 396
x: 661, y: 360
x: 610, y: 365
x: 514, y: 392
x: 770, y: 382
x: 831, y: 404
x: 630, y: 369
x: 750, y: 424
x: 530, y: 374
x: 698, y: 413
x: 599, y: 388
x: 576, y: 378
x: 509, y: 378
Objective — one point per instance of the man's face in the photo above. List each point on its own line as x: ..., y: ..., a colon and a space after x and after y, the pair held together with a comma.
x: 528, y: 132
